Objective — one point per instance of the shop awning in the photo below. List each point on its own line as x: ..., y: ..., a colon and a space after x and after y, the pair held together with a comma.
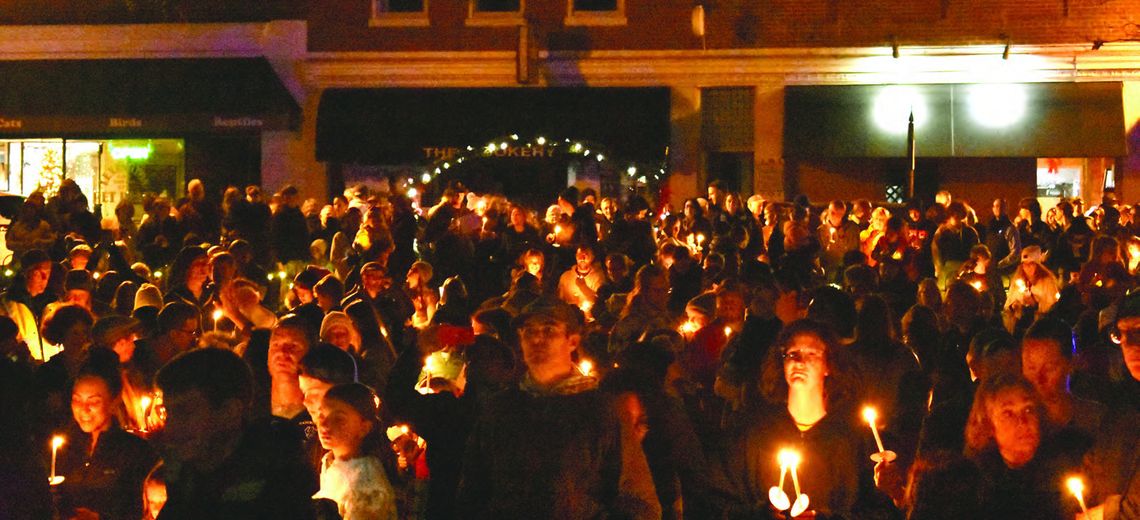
x: 142, y: 97
x: 400, y: 126
x: 974, y: 120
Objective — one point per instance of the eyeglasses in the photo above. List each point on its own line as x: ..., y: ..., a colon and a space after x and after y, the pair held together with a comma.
x: 1126, y: 338
x: 802, y: 356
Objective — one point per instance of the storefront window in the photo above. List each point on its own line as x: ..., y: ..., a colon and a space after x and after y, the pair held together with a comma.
x: 107, y: 171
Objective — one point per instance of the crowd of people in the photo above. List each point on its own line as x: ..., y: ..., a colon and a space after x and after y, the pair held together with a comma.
x: 375, y: 358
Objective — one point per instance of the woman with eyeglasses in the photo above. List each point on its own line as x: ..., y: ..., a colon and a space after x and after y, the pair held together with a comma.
x: 805, y: 385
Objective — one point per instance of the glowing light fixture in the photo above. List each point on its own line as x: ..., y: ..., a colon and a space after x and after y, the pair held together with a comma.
x: 997, y: 105
x: 892, y: 107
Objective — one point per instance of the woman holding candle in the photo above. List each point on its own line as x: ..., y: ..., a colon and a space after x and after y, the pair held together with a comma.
x: 805, y: 385
x: 1021, y: 467
x: 103, y: 466
x: 1032, y: 289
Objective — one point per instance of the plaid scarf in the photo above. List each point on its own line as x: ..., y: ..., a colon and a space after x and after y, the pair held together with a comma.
x: 575, y: 384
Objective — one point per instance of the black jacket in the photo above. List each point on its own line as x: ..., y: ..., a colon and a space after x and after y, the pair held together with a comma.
x: 266, y: 477
x: 109, y: 481
x: 529, y: 456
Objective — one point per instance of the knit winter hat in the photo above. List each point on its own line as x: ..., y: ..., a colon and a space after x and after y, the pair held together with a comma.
x: 148, y: 295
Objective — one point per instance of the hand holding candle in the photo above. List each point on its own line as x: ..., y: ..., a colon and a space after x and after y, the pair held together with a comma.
x: 789, y: 459
x: 871, y: 415
x: 56, y: 442
x: 1077, y: 488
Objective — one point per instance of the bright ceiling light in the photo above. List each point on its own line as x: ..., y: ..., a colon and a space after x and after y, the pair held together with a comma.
x: 996, y: 105
x: 893, y: 106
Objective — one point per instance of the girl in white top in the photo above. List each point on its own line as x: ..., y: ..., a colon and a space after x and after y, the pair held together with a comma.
x: 351, y: 473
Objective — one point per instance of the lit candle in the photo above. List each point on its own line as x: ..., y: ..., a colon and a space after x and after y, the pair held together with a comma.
x: 687, y: 328
x: 1077, y: 488
x: 217, y: 316
x: 144, y: 402
x: 95, y: 275
x: 776, y: 494
x: 56, y: 442
x: 158, y: 275
x: 977, y: 285
x: 871, y: 415
x: 585, y: 306
x: 727, y: 332
x: 1020, y: 284
x: 586, y: 367
x: 832, y: 233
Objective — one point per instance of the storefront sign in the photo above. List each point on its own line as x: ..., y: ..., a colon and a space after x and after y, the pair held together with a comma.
x: 534, y: 152
x: 238, y: 122
x: 124, y: 122
x: 145, y: 125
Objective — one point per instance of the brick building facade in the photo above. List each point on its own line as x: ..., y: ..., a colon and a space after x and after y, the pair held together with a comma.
x: 728, y: 89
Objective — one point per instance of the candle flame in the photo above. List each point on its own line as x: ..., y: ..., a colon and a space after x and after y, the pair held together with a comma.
x: 977, y: 285
x: 218, y: 314
x: 1076, y: 486
x: 585, y: 306
x: 870, y: 415
x: 586, y: 367
x: 56, y: 442
x: 788, y: 458
x: 688, y: 327
x: 145, y: 402
x: 727, y: 331
x: 1020, y: 284
x: 557, y: 230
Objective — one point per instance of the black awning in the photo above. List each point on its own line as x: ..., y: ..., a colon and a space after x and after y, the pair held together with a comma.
x: 142, y: 96
x: 399, y: 126
x: 971, y: 120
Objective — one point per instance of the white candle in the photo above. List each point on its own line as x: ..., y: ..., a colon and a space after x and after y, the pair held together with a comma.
x: 56, y: 442
x: 1077, y: 488
x: 870, y: 415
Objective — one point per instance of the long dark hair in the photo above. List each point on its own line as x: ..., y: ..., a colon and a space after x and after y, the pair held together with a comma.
x: 837, y: 387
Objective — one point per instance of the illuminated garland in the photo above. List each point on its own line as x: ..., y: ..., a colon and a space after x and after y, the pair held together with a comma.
x: 566, y: 146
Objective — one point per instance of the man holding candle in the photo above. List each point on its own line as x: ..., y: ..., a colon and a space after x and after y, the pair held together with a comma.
x: 552, y: 447
x: 837, y: 235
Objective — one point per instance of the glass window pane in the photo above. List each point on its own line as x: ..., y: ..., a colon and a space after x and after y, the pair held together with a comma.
x: 83, y: 168
x: 401, y: 6
x: 497, y: 6
x: 595, y: 5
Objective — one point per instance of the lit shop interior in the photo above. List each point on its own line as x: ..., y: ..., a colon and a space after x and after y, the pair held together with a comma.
x: 107, y: 171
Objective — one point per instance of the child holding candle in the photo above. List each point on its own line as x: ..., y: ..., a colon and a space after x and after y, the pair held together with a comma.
x: 351, y: 472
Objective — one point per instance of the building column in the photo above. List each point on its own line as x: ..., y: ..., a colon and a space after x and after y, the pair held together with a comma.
x: 289, y: 157
x: 684, y: 145
x: 1128, y: 176
x: 768, y: 114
